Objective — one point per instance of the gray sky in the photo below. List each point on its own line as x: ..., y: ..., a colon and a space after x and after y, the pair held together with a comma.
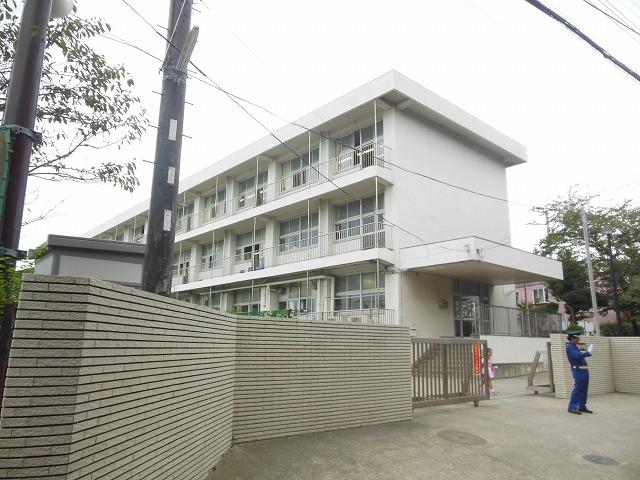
x: 501, y: 60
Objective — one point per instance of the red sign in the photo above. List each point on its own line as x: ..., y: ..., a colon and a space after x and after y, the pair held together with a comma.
x: 477, y: 363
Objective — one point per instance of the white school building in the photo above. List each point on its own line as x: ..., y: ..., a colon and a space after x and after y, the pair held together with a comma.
x: 350, y: 229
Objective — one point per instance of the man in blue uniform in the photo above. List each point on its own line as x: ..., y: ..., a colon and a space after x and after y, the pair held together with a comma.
x: 580, y: 371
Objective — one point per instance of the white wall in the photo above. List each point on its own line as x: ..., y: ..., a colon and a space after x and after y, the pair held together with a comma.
x: 516, y: 349
x: 503, y: 296
x: 435, y: 211
x: 44, y: 265
x: 109, y: 270
x: 420, y: 298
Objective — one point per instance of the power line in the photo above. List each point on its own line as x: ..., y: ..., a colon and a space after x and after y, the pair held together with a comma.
x: 232, y: 98
x: 568, y: 25
x: 620, y: 14
x: 616, y: 21
x: 236, y: 99
x: 611, y: 17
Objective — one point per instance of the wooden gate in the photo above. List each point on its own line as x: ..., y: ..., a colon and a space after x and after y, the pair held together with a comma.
x: 448, y: 370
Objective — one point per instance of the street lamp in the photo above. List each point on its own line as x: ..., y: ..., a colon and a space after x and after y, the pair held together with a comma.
x: 608, y: 231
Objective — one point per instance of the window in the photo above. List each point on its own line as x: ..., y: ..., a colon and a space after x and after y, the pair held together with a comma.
x: 360, y: 138
x: 184, y: 210
x: 300, y: 170
x: 296, y: 296
x: 138, y: 231
x: 297, y: 233
x: 215, y: 205
x: 246, y: 247
x: 517, y: 298
x: 211, y: 256
x: 351, y: 216
x: 243, y: 301
x: 183, y: 217
x: 358, y: 291
x: 540, y: 295
x: 212, y: 300
x: 251, y: 194
x: 181, y: 262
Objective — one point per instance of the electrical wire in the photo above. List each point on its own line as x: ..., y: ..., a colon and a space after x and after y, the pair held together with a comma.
x: 620, y: 14
x: 575, y: 30
x: 234, y: 97
x: 616, y: 20
x: 234, y: 100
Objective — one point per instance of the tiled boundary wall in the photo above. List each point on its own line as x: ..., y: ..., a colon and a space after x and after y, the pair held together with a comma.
x: 613, y: 367
x: 294, y: 377
x: 108, y: 382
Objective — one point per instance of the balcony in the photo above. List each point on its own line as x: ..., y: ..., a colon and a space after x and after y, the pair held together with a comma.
x: 348, y: 162
x: 365, y: 237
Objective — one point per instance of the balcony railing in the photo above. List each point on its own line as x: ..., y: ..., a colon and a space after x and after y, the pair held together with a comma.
x: 348, y: 162
x: 353, y: 239
x: 373, y: 316
x: 354, y: 160
x: 496, y: 320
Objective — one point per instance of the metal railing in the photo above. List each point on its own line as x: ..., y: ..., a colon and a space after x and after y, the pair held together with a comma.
x: 364, y: 237
x: 447, y: 370
x: 348, y: 162
x: 496, y: 320
x: 373, y: 316
x: 366, y: 155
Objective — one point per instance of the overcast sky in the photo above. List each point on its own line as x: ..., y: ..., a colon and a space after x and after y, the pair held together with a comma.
x: 500, y: 60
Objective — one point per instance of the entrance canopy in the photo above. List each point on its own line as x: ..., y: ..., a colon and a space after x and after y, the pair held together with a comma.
x: 478, y: 260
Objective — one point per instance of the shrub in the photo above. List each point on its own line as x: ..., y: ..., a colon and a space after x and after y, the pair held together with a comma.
x: 610, y: 329
x: 575, y: 328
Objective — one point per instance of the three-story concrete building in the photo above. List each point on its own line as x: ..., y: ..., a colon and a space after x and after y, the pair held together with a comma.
x: 377, y: 208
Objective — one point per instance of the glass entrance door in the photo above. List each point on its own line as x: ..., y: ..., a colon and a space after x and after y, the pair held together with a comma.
x: 468, y: 297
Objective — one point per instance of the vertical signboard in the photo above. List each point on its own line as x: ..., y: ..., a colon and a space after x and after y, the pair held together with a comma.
x: 477, y: 361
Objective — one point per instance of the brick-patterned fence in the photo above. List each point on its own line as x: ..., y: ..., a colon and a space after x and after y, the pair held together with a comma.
x: 295, y: 377
x: 108, y: 382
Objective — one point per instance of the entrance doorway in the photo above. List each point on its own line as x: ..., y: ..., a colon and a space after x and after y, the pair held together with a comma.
x: 467, y: 300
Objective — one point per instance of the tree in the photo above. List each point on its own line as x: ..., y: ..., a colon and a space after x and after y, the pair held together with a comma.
x: 574, y: 289
x: 565, y: 241
x: 84, y: 102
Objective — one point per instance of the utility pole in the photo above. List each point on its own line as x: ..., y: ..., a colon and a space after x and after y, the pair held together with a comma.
x: 592, y: 285
x: 19, y: 118
x: 158, y: 260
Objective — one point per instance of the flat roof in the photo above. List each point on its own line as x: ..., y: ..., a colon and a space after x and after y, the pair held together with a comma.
x: 392, y: 85
x: 83, y: 243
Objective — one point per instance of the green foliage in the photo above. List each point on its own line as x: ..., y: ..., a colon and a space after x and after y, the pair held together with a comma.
x: 9, y: 283
x: 575, y: 328
x: 565, y: 241
x: 84, y: 102
x: 550, y: 307
x: 610, y: 329
x: 11, y: 278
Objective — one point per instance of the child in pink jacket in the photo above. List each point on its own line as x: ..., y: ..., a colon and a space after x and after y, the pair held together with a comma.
x: 492, y: 373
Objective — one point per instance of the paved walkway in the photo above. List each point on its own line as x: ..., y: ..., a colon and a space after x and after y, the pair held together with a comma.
x: 517, y: 436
